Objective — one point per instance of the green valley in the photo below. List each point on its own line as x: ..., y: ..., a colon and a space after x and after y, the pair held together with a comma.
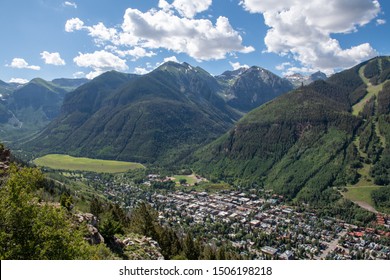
x: 66, y: 162
x: 148, y: 162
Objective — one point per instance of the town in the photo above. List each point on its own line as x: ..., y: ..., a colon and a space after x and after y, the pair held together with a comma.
x: 255, y: 222
x: 263, y: 228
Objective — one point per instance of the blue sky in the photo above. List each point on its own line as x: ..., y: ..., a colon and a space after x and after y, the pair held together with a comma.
x: 84, y: 38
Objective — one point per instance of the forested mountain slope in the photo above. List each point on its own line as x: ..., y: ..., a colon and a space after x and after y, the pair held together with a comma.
x: 304, y: 142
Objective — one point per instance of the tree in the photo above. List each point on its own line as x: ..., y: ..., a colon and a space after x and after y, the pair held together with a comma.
x: 169, y: 243
x: 183, y: 181
x: 109, y: 228
x: 144, y: 220
x: 66, y: 200
x: 96, y: 207
x: 191, y: 249
x: 32, y: 230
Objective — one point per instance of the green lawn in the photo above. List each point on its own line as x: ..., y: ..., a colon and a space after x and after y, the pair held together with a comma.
x: 191, y: 180
x: 361, y: 193
x: 65, y: 162
x: 371, y: 91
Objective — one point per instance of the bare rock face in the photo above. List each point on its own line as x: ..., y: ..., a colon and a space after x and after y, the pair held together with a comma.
x: 94, y: 237
x: 88, y: 218
x: 5, y: 155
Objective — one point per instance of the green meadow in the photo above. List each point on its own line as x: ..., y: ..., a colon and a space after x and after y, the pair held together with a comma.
x: 66, y: 162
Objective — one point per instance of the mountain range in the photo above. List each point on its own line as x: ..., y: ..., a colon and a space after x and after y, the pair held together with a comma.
x: 298, y: 79
x: 25, y: 109
x: 302, y: 143
x: 246, y: 126
x: 160, y: 117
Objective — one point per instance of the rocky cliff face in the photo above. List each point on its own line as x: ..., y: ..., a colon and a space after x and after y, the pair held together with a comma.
x: 5, y: 155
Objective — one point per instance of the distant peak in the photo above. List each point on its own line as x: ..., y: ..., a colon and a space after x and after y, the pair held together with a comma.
x: 234, y: 73
x: 38, y: 80
x: 318, y: 76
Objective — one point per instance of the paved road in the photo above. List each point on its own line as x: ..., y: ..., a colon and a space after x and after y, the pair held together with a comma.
x: 331, y: 246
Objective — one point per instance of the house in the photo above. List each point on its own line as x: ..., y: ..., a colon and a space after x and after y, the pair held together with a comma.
x: 287, y: 255
x: 269, y: 250
x: 254, y: 223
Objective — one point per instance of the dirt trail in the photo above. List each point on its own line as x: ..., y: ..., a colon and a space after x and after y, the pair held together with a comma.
x: 366, y: 206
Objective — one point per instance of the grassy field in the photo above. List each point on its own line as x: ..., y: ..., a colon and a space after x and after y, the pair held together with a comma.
x: 191, y: 179
x: 371, y: 91
x: 65, y: 162
x: 361, y: 193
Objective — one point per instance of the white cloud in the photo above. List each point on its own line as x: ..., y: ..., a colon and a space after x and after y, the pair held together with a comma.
x: 20, y: 63
x: 74, y: 24
x: 136, y: 53
x: 52, y: 58
x: 171, y: 58
x: 79, y: 75
x: 102, y: 34
x: 70, y: 4
x: 186, y: 8
x: 304, y: 28
x: 380, y: 21
x: 189, y: 8
x: 199, y: 39
x: 18, y: 81
x: 155, y: 29
x: 283, y: 66
x: 141, y: 71
x: 303, y: 70
x: 100, y: 62
x: 164, y: 5
x: 237, y: 65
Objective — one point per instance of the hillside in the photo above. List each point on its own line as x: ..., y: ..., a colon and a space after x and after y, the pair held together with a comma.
x: 161, y: 116
x: 69, y: 84
x: 26, y: 109
x: 304, y: 142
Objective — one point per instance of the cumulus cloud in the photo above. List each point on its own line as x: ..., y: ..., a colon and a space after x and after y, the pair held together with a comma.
x: 52, y: 58
x: 238, y: 65
x: 74, y: 24
x: 70, y: 4
x: 100, y: 62
x: 101, y: 33
x: 171, y: 58
x: 283, y: 66
x: 18, y: 81
x: 186, y: 8
x: 380, y: 21
x: 304, y: 28
x: 136, y: 53
x: 199, y: 39
x: 20, y: 63
x: 79, y: 75
x: 155, y: 29
x: 141, y: 70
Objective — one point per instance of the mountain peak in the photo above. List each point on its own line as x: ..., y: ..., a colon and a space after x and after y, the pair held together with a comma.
x: 298, y: 79
x: 231, y: 74
x: 175, y: 66
x: 318, y: 76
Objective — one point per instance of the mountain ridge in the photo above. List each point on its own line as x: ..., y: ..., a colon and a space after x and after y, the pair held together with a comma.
x: 299, y: 144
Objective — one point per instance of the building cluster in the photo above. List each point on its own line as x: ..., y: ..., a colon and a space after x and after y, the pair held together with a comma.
x: 264, y: 227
